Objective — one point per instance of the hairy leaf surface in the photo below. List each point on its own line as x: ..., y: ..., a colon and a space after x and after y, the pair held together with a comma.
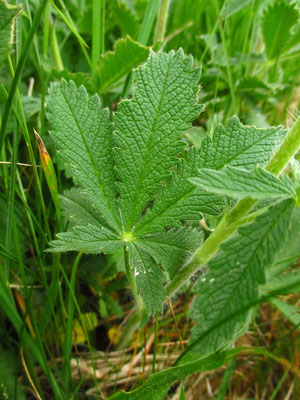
x: 148, y: 128
x: 224, y: 294
x: 89, y: 239
x: 134, y: 190
x: 83, y: 133
x: 238, y: 183
x: 240, y: 145
x: 148, y: 277
x: 181, y: 200
x: 80, y: 210
x: 172, y: 248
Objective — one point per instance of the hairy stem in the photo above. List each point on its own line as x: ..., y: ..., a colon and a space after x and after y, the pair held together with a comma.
x: 135, y: 319
x: 131, y: 280
x: 161, y: 21
x: 231, y: 222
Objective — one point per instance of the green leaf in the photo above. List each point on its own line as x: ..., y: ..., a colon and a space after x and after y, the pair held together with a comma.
x: 10, y: 387
x: 278, y: 20
x: 83, y: 134
x: 127, y: 54
x: 172, y: 248
x: 239, y: 183
x: 233, y: 6
x: 232, y: 283
x: 290, y: 251
x: 157, y: 385
x: 88, y: 239
x: 240, y: 145
x: 148, y: 128
x: 8, y: 13
x: 180, y: 200
x: 80, y: 210
x: 126, y: 21
x: 148, y: 277
x: 284, y: 283
x: 288, y: 310
x: 79, y: 78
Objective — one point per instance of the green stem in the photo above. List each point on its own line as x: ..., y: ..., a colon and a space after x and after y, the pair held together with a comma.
x: 286, y: 151
x: 155, y: 344
x: 161, y: 21
x: 131, y: 279
x: 96, y: 38
x: 135, y: 320
x: 55, y: 49
x: 148, y: 20
x: 231, y: 222
x: 46, y: 29
x: 68, y: 338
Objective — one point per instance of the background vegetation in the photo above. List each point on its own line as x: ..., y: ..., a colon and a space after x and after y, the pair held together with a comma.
x: 62, y: 317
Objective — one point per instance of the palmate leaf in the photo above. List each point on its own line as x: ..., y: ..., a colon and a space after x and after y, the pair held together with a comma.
x: 83, y: 133
x: 134, y: 190
x: 148, y: 128
x: 239, y: 183
x: 231, y: 286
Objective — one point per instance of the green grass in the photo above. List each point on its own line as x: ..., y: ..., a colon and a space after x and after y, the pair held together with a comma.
x: 44, y: 296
